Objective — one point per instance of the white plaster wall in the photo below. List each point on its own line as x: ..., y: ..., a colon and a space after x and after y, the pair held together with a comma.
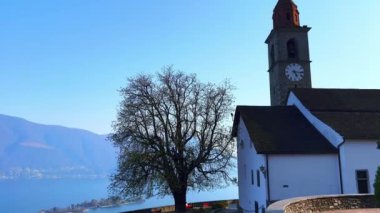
x: 358, y: 155
x: 329, y: 133
x: 304, y: 175
x: 248, y: 160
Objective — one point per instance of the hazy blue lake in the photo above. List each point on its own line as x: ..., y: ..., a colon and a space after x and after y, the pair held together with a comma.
x: 24, y: 196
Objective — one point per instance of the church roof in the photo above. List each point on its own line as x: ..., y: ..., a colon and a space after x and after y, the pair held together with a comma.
x: 363, y: 100
x: 281, y: 130
x: 353, y: 125
x: 353, y: 113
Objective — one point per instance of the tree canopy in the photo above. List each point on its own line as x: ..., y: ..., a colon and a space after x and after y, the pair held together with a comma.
x: 172, y: 136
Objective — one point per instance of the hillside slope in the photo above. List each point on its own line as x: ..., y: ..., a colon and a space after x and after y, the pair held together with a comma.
x: 31, y: 150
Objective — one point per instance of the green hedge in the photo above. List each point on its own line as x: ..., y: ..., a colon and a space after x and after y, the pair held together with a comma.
x: 376, y: 185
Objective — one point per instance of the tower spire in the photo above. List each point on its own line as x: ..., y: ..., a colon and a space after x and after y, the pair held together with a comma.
x: 285, y: 15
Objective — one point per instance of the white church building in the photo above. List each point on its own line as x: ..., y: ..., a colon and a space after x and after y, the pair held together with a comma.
x: 309, y: 141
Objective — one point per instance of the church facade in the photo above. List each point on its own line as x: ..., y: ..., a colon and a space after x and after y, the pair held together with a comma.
x: 309, y: 141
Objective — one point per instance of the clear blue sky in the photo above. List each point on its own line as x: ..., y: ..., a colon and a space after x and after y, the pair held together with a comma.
x: 62, y: 61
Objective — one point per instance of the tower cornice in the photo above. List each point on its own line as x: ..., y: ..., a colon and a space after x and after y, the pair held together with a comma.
x: 304, y: 28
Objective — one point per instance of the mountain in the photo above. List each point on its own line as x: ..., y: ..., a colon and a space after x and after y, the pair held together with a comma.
x: 31, y: 150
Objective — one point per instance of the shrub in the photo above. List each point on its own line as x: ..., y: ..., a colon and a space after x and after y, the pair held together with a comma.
x: 376, y: 185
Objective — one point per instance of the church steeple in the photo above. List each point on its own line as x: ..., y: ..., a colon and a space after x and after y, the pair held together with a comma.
x: 288, y: 52
x: 285, y: 15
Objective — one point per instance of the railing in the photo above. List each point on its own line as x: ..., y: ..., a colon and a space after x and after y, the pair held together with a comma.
x: 197, y: 206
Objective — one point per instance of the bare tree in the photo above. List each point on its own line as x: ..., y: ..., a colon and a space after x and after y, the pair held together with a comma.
x: 172, y: 137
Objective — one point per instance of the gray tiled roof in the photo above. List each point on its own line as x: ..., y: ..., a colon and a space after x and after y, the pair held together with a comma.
x: 353, y: 113
x: 281, y: 130
x: 353, y: 125
x: 367, y: 100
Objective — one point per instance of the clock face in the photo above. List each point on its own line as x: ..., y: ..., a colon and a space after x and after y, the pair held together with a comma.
x: 294, y: 72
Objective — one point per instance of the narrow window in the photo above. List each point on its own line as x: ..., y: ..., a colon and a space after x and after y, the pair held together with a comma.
x: 378, y: 145
x: 272, y: 56
x: 288, y: 16
x: 252, y: 177
x: 262, y: 210
x: 292, y: 49
x: 258, y: 178
x: 362, y: 181
x: 256, y: 207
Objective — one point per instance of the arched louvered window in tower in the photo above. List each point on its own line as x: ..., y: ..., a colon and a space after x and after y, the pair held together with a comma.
x: 292, y: 49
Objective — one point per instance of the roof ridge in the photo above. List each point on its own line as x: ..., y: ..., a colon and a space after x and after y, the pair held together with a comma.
x: 299, y: 88
x: 339, y: 110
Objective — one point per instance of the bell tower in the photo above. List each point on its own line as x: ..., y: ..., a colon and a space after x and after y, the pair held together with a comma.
x: 288, y: 52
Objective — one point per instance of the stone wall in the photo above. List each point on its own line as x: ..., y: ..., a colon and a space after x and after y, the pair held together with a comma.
x: 331, y: 203
x: 322, y: 203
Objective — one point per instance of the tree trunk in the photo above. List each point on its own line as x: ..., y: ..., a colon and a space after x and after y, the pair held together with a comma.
x: 180, y: 200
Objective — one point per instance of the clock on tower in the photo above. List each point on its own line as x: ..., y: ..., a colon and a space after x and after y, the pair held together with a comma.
x: 288, y: 50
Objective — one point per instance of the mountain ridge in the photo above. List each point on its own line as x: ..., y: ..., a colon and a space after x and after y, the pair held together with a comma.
x: 2, y: 116
x: 32, y: 150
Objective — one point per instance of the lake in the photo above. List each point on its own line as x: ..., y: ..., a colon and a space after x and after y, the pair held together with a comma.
x: 24, y: 196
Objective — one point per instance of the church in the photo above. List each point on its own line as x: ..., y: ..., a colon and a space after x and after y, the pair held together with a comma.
x: 310, y: 141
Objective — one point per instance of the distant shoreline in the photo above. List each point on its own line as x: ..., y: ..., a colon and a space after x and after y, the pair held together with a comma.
x: 196, y: 205
x: 93, y: 204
